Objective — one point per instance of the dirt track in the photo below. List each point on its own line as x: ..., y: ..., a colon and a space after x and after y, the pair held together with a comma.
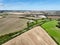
x: 8, y: 25
x: 36, y: 36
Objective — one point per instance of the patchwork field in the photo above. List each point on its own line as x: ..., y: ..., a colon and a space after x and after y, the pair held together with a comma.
x: 36, y: 36
x: 13, y: 24
x: 8, y: 25
x: 52, y: 30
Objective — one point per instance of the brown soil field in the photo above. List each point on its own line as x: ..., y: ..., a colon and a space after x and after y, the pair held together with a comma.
x: 9, y: 25
x: 54, y: 17
x: 35, y: 36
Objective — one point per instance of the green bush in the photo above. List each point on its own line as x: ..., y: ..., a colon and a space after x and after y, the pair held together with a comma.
x: 59, y: 19
x: 58, y: 25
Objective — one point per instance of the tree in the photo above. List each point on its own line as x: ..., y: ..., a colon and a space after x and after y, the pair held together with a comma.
x: 58, y: 25
x: 28, y: 25
x: 59, y: 19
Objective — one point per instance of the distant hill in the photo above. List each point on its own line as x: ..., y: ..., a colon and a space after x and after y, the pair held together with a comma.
x: 49, y: 12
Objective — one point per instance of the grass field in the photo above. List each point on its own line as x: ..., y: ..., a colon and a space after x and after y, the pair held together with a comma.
x: 52, y: 30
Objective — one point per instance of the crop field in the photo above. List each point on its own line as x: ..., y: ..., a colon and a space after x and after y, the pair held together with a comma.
x: 35, y: 36
x: 52, y: 30
x: 9, y: 25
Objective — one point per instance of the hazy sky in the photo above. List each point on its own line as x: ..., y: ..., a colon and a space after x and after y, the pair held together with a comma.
x: 29, y: 4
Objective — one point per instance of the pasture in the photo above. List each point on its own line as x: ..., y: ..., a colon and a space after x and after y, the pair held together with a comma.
x: 52, y: 30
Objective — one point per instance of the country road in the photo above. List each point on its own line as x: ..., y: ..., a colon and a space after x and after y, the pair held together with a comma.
x: 35, y: 36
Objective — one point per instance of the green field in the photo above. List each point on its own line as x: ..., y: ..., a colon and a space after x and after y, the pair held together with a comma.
x: 52, y: 30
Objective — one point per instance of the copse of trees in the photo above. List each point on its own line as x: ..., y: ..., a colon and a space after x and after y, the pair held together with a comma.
x: 59, y: 19
x: 58, y: 23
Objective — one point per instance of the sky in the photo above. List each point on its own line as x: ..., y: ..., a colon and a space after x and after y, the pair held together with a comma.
x: 29, y: 4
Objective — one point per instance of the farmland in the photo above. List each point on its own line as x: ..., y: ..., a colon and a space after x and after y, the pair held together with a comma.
x: 52, y: 30
x: 9, y: 25
x: 35, y: 36
x: 12, y: 26
x: 7, y: 37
